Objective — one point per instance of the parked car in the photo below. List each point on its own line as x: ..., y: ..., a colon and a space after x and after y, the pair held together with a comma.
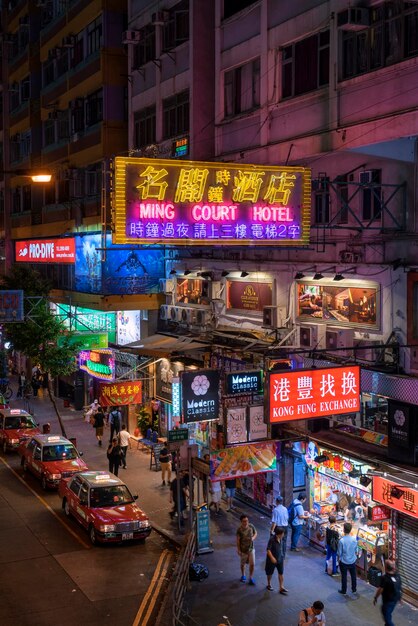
x: 103, y: 504
x: 50, y: 458
x: 16, y: 425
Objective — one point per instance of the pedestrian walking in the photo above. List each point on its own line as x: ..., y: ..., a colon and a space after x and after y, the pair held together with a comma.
x: 179, y: 500
x: 332, y: 538
x: 115, y: 418
x: 216, y: 495
x: 114, y: 456
x: 313, y: 615
x: 246, y: 535
x: 230, y: 486
x: 165, y: 462
x: 275, y: 559
x: 390, y: 589
x: 90, y: 414
x: 35, y: 384
x: 299, y: 517
x: 280, y: 519
x: 22, y: 384
x: 347, y: 554
x: 124, y: 442
x: 98, y: 424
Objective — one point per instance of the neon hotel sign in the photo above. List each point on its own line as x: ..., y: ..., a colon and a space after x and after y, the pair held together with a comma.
x: 162, y: 201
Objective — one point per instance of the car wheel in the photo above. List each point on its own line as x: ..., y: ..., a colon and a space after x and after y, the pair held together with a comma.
x: 5, y: 446
x: 92, y: 535
x: 43, y: 482
x: 66, y: 507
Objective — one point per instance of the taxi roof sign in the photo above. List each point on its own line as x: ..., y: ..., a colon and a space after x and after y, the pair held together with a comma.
x: 103, y: 477
x: 54, y: 438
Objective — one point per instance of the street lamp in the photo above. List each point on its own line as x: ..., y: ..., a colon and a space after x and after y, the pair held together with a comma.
x: 36, y: 177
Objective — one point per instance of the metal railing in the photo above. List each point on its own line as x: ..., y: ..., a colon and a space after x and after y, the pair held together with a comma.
x: 181, y: 580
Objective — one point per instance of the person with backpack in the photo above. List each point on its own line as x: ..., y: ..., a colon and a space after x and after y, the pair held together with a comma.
x: 297, y: 517
x: 332, y: 538
x: 313, y: 615
x: 390, y: 589
x: 115, y: 417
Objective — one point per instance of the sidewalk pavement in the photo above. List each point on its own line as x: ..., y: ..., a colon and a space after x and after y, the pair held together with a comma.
x: 222, y: 594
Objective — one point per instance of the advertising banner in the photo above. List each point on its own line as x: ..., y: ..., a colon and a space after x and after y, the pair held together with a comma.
x: 257, y: 428
x: 128, y: 327
x: 45, y: 250
x: 236, y: 425
x: 203, y: 532
x: 244, y: 460
x: 119, y: 394
x: 11, y: 305
x: 200, y: 394
x: 350, y: 304
x: 87, y: 341
x: 184, y: 203
x: 193, y: 291
x: 86, y: 320
x: 248, y: 296
x: 305, y: 394
x: 166, y: 372
x: 244, y: 382
x: 395, y: 496
x: 98, y: 363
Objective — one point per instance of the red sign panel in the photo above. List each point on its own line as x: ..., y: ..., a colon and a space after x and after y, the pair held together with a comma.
x: 304, y: 394
x: 395, y: 496
x: 119, y: 394
x: 45, y: 251
x: 378, y: 513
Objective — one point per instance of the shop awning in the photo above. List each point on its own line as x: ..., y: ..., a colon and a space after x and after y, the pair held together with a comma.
x: 161, y: 346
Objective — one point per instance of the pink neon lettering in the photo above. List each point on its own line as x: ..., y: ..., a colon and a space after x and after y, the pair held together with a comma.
x: 215, y: 212
x: 271, y: 214
x: 156, y: 211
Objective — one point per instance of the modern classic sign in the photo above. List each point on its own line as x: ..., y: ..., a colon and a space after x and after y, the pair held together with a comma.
x: 306, y: 394
x: 244, y: 382
x: 200, y: 393
x: 45, y: 251
x: 184, y: 203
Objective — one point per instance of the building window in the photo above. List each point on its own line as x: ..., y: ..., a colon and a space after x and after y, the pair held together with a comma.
x: 48, y: 72
x: 305, y: 65
x: 26, y: 198
x: 77, y: 115
x: 341, y: 185
x: 49, y: 133
x: 14, y: 96
x: 94, y: 108
x: 144, y: 127
x: 234, y: 6
x: 242, y: 88
x: 62, y: 64
x: 49, y: 193
x: 176, y: 115
x: 371, y: 195
x: 322, y: 205
x: 63, y: 125
x: 144, y: 51
x: 78, y: 50
x: 176, y: 27
x: 94, y: 36
x: 92, y: 184
x: 391, y: 38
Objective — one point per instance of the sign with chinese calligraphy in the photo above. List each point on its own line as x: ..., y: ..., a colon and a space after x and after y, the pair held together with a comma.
x: 395, y: 496
x: 248, y: 296
x: 178, y: 434
x: 45, y: 251
x: 352, y: 304
x: 257, y: 428
x: 244, y: 382
x: 203, y: 532
x: 306, y: 394
x: 236, y: 425
x: 86, y: 320
x: 11, y: 305
x: 98, y: 363
x: 378, y: 513
x: 119, y: 394
x: 168, y: 202
x: 244, y: 460
x: 200, y: 394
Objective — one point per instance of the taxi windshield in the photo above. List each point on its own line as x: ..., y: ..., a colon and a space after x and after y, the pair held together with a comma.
x: 115, y: 495
x: 14, y: 422
x: 61, y: 452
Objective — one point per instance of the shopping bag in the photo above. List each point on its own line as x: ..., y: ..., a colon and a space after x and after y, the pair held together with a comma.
x: 329, y: 566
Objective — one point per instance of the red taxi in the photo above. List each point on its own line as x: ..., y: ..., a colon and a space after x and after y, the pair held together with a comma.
x: 103, y: 504
x: 16, y: 425
x: 50, y: 458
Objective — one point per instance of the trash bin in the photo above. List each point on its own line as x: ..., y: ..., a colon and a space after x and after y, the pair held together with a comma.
x: 73, y: 441
x: 46, y: 428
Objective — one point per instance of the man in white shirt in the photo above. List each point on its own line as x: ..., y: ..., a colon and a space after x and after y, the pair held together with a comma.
x: 280, y: 518
x: 313, y: 615
x: 124, y: 441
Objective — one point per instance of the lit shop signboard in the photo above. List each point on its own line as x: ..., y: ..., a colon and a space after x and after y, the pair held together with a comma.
x: 244, y: 382
x: 11, y: 305
x: 200, y: 394
x: 184, y: 203
x: 248, y: 296
x: 395, y: 496
x: 306, y: 394
x: 98, y: 363
x: 87, y: 320
x: 45, y: 251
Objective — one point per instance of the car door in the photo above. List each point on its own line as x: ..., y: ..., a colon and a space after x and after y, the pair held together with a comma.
x: 34, y: 460
x: 73, y: 492
x: 83, y: 504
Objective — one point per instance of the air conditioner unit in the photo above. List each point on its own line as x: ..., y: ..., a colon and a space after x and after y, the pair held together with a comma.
x: 187, y: 316
x: 339, y: 338
x: 69, y: 41
x: 312, y: 336
x: 131, y: 37
x: 165, y: 311
x: 353, y: 18
x: 367, y: 350
x: 175, y: 314
x: 366, y: 177
x: 160, y: 18
x: 166, y: 286
x: 203, y: 317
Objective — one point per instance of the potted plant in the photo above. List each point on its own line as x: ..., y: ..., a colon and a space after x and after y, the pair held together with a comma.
x: 143, y: 420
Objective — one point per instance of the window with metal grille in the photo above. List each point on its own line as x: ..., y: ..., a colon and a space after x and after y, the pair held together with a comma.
x: 94, y: 35
x: 144, y: 51
x: 305, y: 65
x: 77, y: 116
x: 372, y: 197
x: 48, y: 72
x: 26, y: 198
x: 144, y: 127
x: 62, y: 62
x: 94, y: 108
x: 176, y: 115
x: 242, y: 88
x: 17, y: 200
x: 176, y: 27
x: 49, y: 132
x: 341, y: 185
x: 322, y: 207
x: 78, y: 50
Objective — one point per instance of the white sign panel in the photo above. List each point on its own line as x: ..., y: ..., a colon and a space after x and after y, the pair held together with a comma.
x: 128, y: 327
x: 236, y: 425
x: 257, y: 427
